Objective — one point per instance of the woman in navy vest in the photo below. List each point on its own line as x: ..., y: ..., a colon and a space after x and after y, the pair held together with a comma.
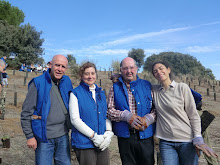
x: 91, y: 131
x: 178, y: 123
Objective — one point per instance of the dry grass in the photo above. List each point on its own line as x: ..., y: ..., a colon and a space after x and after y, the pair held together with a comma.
x: 19, y: 154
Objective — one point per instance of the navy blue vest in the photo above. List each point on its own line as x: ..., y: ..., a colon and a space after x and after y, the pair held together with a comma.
x: 43, y: 85
x: 141, y: 90
x: 91, y: 112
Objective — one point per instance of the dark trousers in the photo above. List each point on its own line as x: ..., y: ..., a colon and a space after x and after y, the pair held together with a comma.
x: 136, y: 151
x: 92, y: 156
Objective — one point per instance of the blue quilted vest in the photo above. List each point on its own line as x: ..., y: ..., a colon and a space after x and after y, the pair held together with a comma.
x: 141, y: 90
x: 43, y: 85
x: 91, y: 112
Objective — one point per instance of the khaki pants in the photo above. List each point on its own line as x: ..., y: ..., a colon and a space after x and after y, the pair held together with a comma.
x: 92, y: 156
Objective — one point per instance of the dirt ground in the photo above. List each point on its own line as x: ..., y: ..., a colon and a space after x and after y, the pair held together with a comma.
x: 19, y: 154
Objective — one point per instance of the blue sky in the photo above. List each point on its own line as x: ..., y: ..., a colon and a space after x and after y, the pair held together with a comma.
x: 105, y: 30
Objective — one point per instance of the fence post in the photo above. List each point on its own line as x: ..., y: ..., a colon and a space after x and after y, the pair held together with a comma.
x: 207, y: 91
x: 199, y: 82
x: 25, y: 81
x: 213, y: 88
x: 215, y: 96
x: 14, y: 72
x: 189, y: 83
x: 27, y: 74
x: 100, y: 82
x: 194, y: 87
x: 15, y: 98
x: 15, y: 95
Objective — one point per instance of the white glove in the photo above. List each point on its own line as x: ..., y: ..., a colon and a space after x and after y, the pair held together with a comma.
x: 97, y: 139
x: 107, y: 135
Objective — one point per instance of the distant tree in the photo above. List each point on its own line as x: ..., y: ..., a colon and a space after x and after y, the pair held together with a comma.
x: 29, y: 48
x: 71, y: 58
x: 209, y: 73
x: 40, y: 60
x: 11, y: 14
x: 180, y: 63
x: 74, y: 67
x: 8, y: 35
x: 14, y: 63
x: 138, y: 55
x: 23, y: 41
x: 116, y: 65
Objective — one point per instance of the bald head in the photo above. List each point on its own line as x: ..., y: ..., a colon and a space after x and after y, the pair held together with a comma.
x: 128, y: 69
x: 127, y: 59
x: 58, y: 67
x: 59, y: 57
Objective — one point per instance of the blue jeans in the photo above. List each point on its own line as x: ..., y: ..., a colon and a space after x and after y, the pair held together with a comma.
x: 178, y: 153
x: 57, y: 148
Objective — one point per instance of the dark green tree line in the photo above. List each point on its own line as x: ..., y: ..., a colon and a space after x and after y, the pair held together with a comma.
x: 138, y: 55
x: 11, y: 14
x: 180, y: 63
x: 24, y: 42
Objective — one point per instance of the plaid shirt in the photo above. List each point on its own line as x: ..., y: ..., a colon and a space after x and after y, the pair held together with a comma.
x: 114, y: 114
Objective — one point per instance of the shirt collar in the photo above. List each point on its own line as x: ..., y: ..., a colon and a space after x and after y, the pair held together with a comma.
x: 92, y: 88
x: 171, y: 86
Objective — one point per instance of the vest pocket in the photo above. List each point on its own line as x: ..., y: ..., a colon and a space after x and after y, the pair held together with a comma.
x: 37, y: 129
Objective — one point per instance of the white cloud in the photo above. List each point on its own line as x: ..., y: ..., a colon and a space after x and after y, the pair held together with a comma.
x: 111, y: 51
x: 60, y: 51
x: 211, y: 23
x: 107, y: 48
x: 202, y: 49
x: 153, y: 51
x: 142, y: 36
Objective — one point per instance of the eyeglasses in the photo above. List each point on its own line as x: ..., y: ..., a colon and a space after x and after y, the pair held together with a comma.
x: 128, y: 68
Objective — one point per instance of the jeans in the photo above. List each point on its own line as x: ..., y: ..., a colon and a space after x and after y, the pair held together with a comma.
x: 57, y: 149
x: 178, y: 153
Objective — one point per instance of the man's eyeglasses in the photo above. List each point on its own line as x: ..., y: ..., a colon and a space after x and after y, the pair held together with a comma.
x: 128, y: 68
